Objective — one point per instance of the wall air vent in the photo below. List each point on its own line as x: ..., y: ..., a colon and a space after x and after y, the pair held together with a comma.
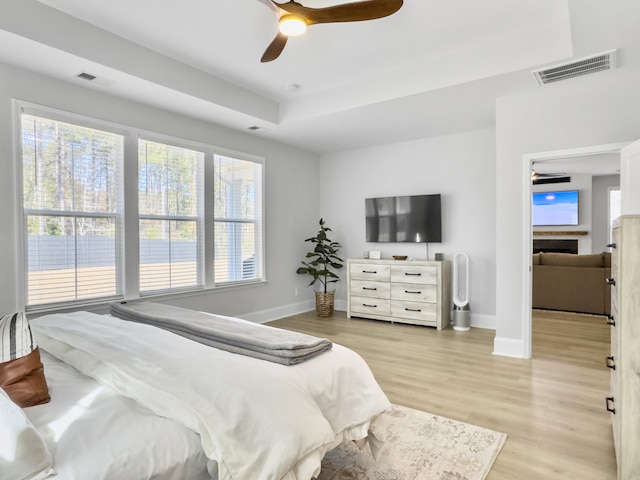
x: 576, y: 68
x: 86, y: 76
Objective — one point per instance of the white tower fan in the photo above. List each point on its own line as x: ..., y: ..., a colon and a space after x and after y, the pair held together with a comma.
x: 461, y: 312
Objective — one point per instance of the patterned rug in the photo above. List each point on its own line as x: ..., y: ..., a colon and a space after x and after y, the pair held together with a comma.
x: 419, y: 446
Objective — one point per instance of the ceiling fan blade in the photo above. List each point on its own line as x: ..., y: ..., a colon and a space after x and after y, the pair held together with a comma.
x: 348, y: 12
x: 549, y: 175
x: 275, y: 48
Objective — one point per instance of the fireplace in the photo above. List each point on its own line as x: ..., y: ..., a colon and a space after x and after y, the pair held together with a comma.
x: 555, y: 246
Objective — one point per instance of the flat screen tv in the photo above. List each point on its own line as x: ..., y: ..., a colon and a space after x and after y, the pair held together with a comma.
x: 555, y: 208
x: 415, y: 219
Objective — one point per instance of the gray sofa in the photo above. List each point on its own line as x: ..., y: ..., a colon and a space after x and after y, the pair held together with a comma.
x: 572, y: 283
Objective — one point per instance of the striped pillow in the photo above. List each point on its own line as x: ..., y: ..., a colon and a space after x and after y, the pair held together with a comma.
x: 21, y: 370
x: 16, y: 339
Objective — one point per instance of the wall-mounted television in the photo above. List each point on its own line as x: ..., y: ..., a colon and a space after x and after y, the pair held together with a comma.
x: 555, y: 208
x: 414, y: 218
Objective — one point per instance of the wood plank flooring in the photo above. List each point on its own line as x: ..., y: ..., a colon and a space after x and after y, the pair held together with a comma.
x: 551, y: 407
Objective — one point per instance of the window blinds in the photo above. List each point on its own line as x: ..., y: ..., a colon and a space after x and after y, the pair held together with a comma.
x: 238, y: 224
x: 170, y: 205
x: 72, y: 199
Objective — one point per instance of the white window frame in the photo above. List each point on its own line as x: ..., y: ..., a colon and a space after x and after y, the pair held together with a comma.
x: 21, y: 108
x: 260, y: 263
x: 198, y: 218
x: 129, y: 274
x: 611, y: 217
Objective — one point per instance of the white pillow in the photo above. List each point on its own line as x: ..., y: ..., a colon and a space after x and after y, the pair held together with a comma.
x: 23, y: 453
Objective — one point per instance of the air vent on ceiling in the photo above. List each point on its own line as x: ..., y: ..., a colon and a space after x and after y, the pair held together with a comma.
x: 86, y: 76
x: 576, y: 68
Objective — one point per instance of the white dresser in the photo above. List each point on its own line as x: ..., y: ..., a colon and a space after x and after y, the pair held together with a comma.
x: 404, y: 291
x: 624, y: 361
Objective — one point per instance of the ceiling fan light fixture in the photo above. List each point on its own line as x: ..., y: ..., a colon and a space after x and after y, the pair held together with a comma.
x: 292, y: 25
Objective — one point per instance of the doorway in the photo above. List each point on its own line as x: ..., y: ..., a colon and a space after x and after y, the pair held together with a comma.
x: 542, y: 157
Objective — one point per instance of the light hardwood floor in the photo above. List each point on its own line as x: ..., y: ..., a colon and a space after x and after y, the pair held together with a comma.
x: 551, y: 407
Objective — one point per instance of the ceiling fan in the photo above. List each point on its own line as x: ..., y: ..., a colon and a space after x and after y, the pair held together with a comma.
x: 537, y: 176
x: 294, y: 18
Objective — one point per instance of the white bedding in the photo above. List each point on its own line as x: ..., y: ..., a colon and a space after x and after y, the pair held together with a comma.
x: 256, y: 419
x: 93, y: 433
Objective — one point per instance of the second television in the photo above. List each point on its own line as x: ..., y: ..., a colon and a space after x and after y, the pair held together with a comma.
x: 409, y: 218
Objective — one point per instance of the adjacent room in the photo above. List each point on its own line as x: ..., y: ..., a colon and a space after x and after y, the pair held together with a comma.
x: 463, y: 174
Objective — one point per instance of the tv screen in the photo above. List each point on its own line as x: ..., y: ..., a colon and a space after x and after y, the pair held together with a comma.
x: 555, y: 208
x: 414, y: 219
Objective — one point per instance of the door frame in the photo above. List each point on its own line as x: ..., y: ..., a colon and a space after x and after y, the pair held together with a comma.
x: 527, y: 227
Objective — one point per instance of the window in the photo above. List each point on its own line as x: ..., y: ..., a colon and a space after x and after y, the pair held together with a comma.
x: 170, y: 205
x: 72, y: 211
x: 238, y: 219
x: 614, y: 207
x: 197, y: 223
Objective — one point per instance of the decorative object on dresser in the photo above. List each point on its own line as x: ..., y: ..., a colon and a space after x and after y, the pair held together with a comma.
x: 416, y: 292
x: 325, y: 258
x: 624, y: 362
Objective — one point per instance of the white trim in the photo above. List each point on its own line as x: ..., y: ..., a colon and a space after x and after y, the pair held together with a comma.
x: 270, y: 314
x: 509, y: 347
x: 479, y: 320
x: 20, y: 258
x: 527, y: 229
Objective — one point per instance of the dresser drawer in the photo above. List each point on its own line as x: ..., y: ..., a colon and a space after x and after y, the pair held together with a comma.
x: 423, y: 312
x: 414, y: 292
x: 414, y: 274
x: 364, y: 271
x: 372, y: 306
x: 364, y: 288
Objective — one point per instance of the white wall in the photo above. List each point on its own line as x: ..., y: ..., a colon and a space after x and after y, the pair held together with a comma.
x: 460, y: 167
x: 291, y: 192
x: 598, y: 109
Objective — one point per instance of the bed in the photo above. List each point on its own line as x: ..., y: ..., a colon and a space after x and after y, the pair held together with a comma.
x: 133, y: 401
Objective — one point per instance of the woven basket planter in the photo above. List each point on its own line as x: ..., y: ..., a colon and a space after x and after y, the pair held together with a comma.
x: 324, y: 304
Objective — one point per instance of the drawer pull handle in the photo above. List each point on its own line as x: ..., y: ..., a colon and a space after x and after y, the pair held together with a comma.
x: 611, y: 363
x: 416, y: 292
x: 412, y: 310
x: 370, y: 271
x: 611, y: 281
x: 611, y: 321
x: 369, y: 288
x: 409, y: 274
x: 610, y: 401
x: 611, y: 245
x: 370, y: 306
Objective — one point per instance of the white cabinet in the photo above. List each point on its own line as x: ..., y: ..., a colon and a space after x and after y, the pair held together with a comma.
x: 416, y: 292
x: 624, y: 359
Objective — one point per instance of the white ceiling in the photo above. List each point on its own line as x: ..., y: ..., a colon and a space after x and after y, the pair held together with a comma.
x: 432, y: 68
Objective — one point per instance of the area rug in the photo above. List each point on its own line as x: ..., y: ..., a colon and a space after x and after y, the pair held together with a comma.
x: 419, y: 446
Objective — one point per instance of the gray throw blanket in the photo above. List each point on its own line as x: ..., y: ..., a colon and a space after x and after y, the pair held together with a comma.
x: 253, y: 340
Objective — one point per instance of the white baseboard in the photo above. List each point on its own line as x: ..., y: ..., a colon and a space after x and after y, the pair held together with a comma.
x: 263, y: 316
x: 508, y: 347
x: 483, y: 321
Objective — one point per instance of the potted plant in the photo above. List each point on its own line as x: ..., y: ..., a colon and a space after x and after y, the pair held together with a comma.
x: 323, y: 259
